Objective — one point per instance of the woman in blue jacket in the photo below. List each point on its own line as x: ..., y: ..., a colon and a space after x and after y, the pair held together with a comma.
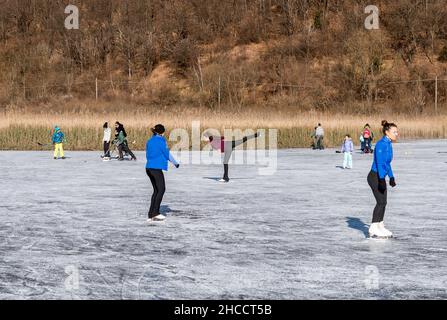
x: 157, y: 155
x: 381, y: 167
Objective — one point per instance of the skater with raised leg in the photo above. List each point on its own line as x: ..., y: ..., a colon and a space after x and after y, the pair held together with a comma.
x: 381, y: 167
x: 226, y: 148
x: 157, y: 156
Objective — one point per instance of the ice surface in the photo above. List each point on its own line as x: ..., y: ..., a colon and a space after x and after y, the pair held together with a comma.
x: 298, y: 234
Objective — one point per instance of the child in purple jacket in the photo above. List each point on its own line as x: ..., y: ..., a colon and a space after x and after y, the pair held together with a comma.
x: 347, y: 149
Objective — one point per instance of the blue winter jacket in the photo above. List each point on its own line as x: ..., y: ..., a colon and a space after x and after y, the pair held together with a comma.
x: 58, y: 137
x: 383, y: 156
x: 157, y: 153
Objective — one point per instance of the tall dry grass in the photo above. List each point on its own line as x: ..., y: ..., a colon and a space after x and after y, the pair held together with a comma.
x: 22, y: 130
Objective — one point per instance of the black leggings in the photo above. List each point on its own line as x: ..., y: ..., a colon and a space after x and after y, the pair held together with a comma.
x: 229, y: 146
x: 158, y: 183
x: 381, y: 198
x: 107, y: 149
x: 124, y: 147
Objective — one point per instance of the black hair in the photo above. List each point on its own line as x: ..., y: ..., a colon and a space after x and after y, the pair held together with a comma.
x: 319, y: 124
x: 387, y: 126
x: 366, y: 125
x: 348, y: 135
x: 106, y: 125
x: 158, y: 129
x: 120, y: 128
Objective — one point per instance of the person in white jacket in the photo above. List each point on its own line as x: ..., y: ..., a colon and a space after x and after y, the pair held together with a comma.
x: 319, y: 136
x: 106, y: 140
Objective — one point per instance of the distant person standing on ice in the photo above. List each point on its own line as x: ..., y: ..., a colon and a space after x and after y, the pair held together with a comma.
x: 366, y: 138
x: 314, y: 138
x: 319, y: 136
x: 157, y: 156
x: 347, y: 149
x: 106, y: 140
x: 226, y: 148
x: 381, y: 167
x: 121, y: 142
x: 58, y: 140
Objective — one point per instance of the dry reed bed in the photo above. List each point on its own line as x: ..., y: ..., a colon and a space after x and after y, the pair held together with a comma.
x: 22, y: 131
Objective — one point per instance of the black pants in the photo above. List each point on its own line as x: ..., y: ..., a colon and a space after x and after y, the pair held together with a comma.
x: 381, y: 198
x: 158, y: 183
x: 123, y: 147
x: 367, y: 145
x: 229, y: 147
x: 319, y: 143
x: 107, y: 149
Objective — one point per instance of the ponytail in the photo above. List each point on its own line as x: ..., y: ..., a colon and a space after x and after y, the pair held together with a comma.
x: 387, y: 126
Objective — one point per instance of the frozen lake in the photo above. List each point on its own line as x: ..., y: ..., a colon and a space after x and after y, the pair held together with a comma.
x: 75, y: 229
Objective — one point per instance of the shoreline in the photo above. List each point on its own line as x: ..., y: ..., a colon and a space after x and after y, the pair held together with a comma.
x: 332, y: 148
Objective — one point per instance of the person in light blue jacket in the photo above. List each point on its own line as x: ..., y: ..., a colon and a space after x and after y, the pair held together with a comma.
x: 381, y: 168
x: 347, y: 149
x: 157, y: 156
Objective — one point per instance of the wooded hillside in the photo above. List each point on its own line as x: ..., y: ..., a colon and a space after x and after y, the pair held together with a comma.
x: 304, y: 54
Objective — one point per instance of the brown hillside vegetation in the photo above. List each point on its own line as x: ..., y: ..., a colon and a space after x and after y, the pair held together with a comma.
x: 226, y: 63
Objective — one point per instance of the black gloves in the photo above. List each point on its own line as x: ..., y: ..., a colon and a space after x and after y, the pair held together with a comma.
x: 392, y: 182
x: 382, y: 185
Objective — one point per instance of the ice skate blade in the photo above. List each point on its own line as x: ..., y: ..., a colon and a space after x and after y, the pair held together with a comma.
x: 155, y: 221
x: 379, y: 238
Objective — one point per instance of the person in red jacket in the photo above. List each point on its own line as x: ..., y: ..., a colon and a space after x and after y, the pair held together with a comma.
x: 368, y: 137
x: 226, y: 148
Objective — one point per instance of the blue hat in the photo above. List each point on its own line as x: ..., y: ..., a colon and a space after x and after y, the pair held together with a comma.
x: 56, y: 128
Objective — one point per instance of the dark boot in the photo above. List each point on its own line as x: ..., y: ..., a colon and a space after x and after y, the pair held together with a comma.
x: 225, y: 177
